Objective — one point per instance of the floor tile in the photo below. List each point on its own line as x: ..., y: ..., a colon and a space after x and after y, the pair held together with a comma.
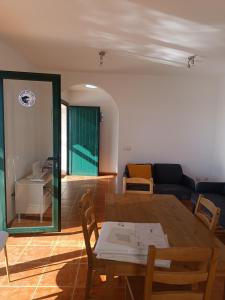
x: 2, y: 273
x: 52, y: 293
x: 74, y: 240
x: 18, y: 240
x: 100, y: 292
x: 36, y: 254
x: 43, y: 240
x: 218, y: 289
x: 79, y: 294
x: 24, y: 274
x: 12, y: 293
x: 59, y: 274
x: 84, y: 259
x: 81, y: 278
x: 66, y: 254
x: 71, y: 226
x: 66, y: 209
x: 14, y: 252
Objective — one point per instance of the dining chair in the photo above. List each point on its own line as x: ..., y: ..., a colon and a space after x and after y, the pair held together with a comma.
x: 89, y: 226
x: 3, y: 239
x: 195, y: 283
x: 207, y: 212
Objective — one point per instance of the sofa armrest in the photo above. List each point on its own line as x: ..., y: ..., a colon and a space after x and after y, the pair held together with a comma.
x: 210, y: 187
x: 188, y: 182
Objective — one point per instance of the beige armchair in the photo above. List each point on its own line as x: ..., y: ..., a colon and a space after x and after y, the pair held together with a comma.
x: 138, y: 179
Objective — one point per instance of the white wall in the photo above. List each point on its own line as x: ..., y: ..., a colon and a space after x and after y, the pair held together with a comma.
x: 218, y: 171
x: 13, y: 61
x: 108, y: 128
x: 162, y: 119
x: 28, y: 132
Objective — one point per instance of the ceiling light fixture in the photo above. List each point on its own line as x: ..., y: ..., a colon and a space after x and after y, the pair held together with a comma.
x: 191, y: 61
x: 90, y: 86
x: 101, y: 54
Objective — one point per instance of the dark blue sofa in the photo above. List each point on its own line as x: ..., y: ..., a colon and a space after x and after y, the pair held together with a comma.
x: 214, y: 191
x: 168, y: 179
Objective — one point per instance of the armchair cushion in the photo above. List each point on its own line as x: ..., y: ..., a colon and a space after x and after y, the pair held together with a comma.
x: 139, y: 170
x: 167, y: 173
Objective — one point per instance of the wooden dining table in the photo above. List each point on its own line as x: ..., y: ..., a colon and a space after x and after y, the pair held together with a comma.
x: 182, y: 228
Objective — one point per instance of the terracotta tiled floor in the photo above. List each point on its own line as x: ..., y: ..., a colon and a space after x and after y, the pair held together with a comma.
x: 53, y: 266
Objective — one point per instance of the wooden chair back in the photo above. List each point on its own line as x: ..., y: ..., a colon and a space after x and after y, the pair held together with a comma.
x: 205, y: 260
x: 207, y: 212
x: 89, y: 224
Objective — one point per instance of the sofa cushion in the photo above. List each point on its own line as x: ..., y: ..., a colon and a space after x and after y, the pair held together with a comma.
x: 210, y: 187
x: 223, y: 190
x: 167, y: 173
x: 140, y: 171
x: 180, y: 191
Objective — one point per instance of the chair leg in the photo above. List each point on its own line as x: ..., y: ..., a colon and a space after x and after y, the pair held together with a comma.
x: 88, y: 283
x: 6, y: 263
x: 109, y: 286
x: 129, y: 289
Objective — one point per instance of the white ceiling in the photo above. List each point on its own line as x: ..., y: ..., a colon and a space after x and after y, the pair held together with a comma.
x: 139, y: 36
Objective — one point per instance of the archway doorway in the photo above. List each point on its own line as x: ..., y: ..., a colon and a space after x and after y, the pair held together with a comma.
x: 93, y: 96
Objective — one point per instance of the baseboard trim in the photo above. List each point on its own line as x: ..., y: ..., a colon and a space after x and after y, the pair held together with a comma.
x: 107, y: 173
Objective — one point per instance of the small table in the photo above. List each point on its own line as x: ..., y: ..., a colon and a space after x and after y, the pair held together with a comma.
x: 181, y: 226
x: 33, y: 196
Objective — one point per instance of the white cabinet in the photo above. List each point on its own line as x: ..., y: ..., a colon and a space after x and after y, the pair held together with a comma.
x: 33, y: 196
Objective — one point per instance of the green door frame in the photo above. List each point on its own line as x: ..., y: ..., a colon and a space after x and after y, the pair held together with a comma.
x: 55, y: 79
x: 63, y: 102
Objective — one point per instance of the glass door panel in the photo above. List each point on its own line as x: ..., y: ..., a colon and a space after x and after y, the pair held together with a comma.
x: 31, y: 154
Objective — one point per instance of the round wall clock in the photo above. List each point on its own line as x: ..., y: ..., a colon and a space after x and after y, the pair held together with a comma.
x: 26, y: 98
